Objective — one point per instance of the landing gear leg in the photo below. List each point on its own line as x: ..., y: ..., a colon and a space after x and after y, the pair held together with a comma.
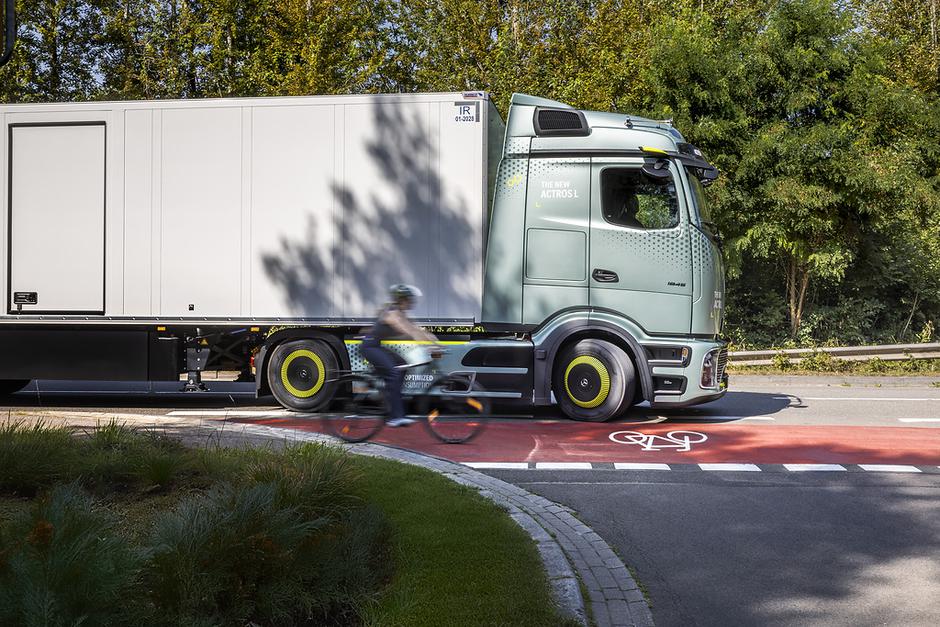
x: 196, y: 359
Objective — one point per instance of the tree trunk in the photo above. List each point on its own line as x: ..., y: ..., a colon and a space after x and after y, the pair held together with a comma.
x: 797, y: 283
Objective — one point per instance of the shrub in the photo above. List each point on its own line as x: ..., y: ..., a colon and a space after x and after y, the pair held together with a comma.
x: 316, y: 479
x: 62, y: 564
x: 214, y: 556
x: 34, y: 457
x: 781, y: 361
x: 820, y: 361
x: 116, y: 456
x: 238, y: 554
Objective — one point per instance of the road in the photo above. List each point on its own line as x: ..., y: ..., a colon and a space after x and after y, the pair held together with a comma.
x: 791, y: 501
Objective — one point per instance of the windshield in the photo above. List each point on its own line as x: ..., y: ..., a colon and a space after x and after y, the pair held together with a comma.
x: 698, y: 199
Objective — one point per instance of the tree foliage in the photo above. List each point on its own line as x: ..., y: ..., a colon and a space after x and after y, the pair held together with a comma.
x: 823, y: 115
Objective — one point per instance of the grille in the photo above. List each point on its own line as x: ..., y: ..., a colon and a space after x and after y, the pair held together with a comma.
x: 554, y: 120
x: 722, y: 363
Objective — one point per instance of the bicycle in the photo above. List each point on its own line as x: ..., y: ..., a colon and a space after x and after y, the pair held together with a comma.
x: 450, y: 407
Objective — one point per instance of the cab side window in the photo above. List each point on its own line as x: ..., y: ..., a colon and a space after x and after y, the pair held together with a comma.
x: 630, y: 198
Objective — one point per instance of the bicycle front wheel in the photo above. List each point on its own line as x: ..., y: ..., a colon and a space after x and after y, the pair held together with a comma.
x: 362, y: 410
x: 454, y: 410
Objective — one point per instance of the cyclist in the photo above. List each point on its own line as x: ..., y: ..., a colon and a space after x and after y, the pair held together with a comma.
x: 392, y: 323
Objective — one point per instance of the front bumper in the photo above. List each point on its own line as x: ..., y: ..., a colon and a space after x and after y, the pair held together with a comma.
x: 690, y: 389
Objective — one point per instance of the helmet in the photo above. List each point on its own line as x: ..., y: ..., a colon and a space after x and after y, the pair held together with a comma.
x: 401, y: 291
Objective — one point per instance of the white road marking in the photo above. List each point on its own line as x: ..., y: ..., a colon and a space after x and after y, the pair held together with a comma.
x: 498, y: 465
x: 868, y: 398
x: 680, y: 440
x: 919, y: 419
x: 640, y: 466
x: 888, y: 468
x: 648, y: 422
x: 563, y: 465
x: 232, y: 413
x: 814, y: 467
x: 734, y: 418
x: 739, y: 467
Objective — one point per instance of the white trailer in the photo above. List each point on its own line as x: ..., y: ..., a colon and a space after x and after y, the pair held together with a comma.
x: 282, y: 209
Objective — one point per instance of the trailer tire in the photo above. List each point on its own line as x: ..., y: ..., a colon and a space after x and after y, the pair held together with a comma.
x: 301, y: 374
x: 12, y: 386
x: 593, y: 380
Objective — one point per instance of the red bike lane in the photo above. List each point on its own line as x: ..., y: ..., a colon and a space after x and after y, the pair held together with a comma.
x: 674, y: 442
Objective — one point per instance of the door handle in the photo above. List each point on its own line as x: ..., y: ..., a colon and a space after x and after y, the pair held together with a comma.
x: 604, y: 276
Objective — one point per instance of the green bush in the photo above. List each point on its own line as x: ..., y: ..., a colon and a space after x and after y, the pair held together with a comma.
x: 118, y: 457
x: 62, y: 563
x: 34, y: 457
x: 316, y: 479
x: 781, y: 361
x: 237, y: 555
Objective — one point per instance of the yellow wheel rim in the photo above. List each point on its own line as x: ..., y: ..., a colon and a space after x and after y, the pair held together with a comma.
x: 321, y: 373
x: 602, y: 373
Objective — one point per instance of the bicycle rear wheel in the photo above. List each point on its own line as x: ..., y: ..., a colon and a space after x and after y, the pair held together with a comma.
x: 453, y: 409
x: 362, y: 410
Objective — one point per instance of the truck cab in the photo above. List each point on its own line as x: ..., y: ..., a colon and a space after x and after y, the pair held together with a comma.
x: 600, y: 248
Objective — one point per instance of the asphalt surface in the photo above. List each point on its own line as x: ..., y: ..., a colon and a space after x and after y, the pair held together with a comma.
x: 852, y: 545
x: 766, y: 548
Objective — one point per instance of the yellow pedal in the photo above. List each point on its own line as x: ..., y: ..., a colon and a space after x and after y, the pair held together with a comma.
x: 474, y: 403
x: 434, y: 414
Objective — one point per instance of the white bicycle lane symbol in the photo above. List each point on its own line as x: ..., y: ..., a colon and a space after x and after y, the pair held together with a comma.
x: 681, y: 441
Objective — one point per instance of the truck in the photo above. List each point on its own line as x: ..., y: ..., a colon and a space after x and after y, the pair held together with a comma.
x: 566, y: 256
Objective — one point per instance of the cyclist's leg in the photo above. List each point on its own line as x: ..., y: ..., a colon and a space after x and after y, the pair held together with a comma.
x: 384, y: 361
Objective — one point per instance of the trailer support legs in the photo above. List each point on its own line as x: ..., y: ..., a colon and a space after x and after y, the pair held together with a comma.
x: 196, y: 359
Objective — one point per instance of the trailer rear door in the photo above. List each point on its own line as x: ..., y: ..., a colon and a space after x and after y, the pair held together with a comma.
x: 57, y: 218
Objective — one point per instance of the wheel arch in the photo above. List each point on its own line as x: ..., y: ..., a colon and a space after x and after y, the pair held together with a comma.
x: 333, y: 340
x: 555, y: 336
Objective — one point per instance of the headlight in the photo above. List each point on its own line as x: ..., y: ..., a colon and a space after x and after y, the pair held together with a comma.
x: 710, y: 370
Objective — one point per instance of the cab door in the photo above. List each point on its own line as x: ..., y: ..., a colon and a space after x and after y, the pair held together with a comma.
x: 556, y: 237
x: 640, y: 252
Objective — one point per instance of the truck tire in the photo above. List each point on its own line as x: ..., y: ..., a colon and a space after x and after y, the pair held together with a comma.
x: 300, y: 373
x: 593, y: 380
x: 12, y: 386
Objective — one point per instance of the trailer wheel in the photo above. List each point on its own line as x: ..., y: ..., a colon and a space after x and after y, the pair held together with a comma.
x: 592, y: 379
x: 12, y: 386
x: 300, y: 374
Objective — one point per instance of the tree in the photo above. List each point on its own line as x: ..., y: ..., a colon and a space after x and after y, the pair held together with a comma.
x: 58, y: 45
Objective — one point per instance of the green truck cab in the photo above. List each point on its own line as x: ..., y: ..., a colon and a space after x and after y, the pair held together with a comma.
x: 600, y: 251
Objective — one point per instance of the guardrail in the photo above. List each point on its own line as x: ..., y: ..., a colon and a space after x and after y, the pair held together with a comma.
x: 887, y: 352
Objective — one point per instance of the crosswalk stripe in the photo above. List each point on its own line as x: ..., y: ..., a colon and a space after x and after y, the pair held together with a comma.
x: 737, y: 467
x: 888, y: 468
x: 814, y: 467
x: 640, y: 466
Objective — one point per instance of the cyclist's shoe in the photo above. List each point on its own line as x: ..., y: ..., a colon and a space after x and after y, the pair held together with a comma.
x: 400, y: 422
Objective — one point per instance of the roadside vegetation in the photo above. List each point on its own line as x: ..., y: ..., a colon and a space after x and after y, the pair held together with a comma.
x: 117, y: 527
x: 824, y: 363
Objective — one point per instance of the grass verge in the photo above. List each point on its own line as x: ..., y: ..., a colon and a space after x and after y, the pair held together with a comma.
x: 460, y: 559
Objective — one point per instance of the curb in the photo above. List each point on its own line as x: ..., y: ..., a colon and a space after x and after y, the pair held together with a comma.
x: 570, y: 550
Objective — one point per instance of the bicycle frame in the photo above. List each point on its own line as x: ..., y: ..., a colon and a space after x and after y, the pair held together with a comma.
x: 418, y: 378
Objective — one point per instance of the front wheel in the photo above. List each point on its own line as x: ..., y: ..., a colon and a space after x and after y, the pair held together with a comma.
x: 454, y: 410
x: 362, y: 409
x: 594, y: 380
